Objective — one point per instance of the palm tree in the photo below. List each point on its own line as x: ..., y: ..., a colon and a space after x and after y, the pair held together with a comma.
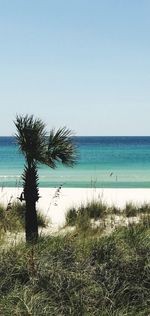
x: 37, y: 149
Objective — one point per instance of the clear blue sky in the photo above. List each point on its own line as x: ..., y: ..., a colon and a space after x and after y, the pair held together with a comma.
x: 80, y: 63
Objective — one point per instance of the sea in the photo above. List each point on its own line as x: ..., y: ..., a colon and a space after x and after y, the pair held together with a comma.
x: 102, y: 162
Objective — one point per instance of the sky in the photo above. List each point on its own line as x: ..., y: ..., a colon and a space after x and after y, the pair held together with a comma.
x: 84, y: 64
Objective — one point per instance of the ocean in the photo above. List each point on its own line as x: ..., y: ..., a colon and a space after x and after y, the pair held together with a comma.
x: 103, y: 162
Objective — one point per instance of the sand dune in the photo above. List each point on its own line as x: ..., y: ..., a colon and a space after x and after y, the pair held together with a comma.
x: 54, y: 203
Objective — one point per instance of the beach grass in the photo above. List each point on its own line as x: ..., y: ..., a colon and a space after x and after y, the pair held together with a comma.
x: 78, y: 275
x: 92, y: 210
x: 12, y: 219
x: 102, y: 214
x: 87, y: 271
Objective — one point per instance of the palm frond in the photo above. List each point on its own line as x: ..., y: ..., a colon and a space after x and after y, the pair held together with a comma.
x: 61, y: 148
x: 31, y: 135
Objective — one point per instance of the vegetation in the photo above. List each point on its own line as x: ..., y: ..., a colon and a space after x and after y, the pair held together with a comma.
x: 85, y: 272
x: 37, y: 148
x: 98, y: 211
x: 13, y: 220
x: 78, y: 275
x: 92, y: 210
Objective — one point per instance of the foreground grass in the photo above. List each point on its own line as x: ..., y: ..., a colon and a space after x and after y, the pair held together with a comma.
x: 79, y: 275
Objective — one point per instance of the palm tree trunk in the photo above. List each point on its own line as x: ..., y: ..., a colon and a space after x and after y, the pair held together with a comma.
x: 31, y: 196
x: 31, y: 225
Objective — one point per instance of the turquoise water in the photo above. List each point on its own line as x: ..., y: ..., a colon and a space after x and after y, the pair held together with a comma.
x: 122, y: 162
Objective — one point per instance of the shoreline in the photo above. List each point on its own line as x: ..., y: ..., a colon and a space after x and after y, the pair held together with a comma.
x: 54, y: 202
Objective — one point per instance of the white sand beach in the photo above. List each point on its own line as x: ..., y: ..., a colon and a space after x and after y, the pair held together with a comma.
x: 54, y: 203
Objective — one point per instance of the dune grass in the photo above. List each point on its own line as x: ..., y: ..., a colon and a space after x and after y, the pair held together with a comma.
x: 78, y: 275
x: 99, y: 211
x: 82, y: 273
x: 92, y: 210
x: 13, y: 219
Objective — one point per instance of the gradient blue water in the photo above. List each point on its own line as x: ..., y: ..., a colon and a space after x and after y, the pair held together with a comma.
x: 103, y: 162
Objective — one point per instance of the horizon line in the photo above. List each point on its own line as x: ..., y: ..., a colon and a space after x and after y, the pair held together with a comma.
x: 94, y: 135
